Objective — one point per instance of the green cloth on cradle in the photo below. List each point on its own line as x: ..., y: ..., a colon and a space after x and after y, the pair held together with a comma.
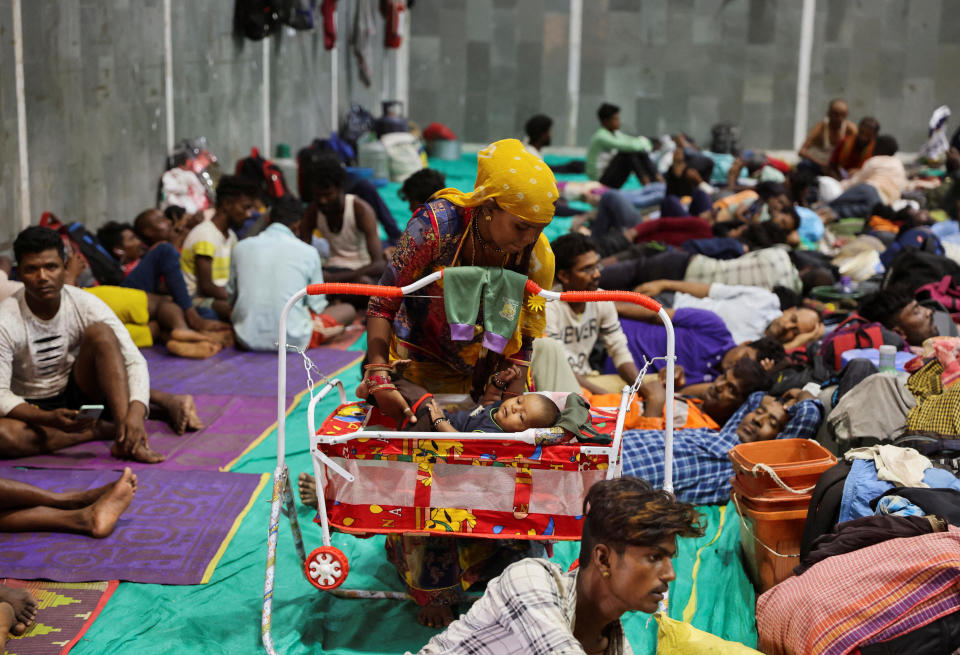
x: 502, y: 294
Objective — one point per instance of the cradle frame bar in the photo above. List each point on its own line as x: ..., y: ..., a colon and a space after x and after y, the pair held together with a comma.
x: 283, y: 500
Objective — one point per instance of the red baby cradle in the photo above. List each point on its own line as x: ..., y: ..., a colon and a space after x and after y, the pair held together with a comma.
x: 373, y: 479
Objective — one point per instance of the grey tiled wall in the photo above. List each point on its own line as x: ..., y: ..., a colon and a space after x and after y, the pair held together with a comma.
x: 95, y: 101
x: 9, y: 143
x: 484, y: 66
x: 95, y: 94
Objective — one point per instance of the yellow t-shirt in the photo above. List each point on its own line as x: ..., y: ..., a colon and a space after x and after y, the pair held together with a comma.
x: 206, y: 240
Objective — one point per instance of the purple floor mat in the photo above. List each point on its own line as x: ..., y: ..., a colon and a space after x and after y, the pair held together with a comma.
x: 170, y: 534
x: 232, y: 424
x: 235, y: 372
x: 235, y: 393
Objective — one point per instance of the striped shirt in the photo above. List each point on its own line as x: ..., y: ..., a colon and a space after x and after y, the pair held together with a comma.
x: 768, y: 268
x: 529, y: 609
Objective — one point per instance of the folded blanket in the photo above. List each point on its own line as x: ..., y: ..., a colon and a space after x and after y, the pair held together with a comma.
x: 863, y: 597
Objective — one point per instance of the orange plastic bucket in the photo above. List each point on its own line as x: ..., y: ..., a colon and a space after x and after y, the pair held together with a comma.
x: 772, y: 500
x: 770, y: 542
x: 798, y: 463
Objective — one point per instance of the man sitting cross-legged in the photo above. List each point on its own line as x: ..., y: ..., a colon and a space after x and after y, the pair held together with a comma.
x: 62, y: 348
x: 265, y: 271
x: 346, y: 222
x: 205, y: 259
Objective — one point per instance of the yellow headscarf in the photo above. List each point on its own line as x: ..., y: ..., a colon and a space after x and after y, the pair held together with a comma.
x: 524, y: 186
x: 519, y: 181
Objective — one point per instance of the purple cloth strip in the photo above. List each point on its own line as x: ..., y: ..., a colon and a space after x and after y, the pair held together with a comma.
x: 232, y: 424
x: 169, y: 534
x: 238, y: 372
x: 494, y: 342
x: 461, y: 332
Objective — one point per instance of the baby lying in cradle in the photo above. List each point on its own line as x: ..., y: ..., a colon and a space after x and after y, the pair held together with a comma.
x: 493, y: 414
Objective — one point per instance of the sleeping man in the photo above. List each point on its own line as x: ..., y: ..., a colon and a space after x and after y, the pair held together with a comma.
x: 701, y: 469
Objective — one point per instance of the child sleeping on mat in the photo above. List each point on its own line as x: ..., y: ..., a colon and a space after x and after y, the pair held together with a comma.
x: 493, y: 414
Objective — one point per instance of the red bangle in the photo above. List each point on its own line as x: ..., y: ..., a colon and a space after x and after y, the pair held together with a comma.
x: 377, y: 379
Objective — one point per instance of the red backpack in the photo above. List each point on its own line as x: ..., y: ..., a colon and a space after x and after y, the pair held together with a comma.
x: 854, y: 332
x: 268, y: 178
x: 945, y: 292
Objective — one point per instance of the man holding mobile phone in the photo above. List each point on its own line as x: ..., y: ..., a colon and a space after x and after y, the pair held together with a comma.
x: 60, y: 349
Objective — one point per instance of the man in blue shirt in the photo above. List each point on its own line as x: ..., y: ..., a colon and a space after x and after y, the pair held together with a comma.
x: 701, y: 469
x: 265, y: 271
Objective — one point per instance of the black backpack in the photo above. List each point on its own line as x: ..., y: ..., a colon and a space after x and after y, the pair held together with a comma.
x: 265, y: 174
x: 943, y: 452
x: 913, y: 268
x: 724, y: 138
x: 105, y: 268
x: 356, y: 122
x: 258, y: 19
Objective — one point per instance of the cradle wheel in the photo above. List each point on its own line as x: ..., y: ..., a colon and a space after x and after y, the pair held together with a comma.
x: 327, y: 567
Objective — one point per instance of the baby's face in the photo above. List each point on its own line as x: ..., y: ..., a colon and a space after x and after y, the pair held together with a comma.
x: 521, y: 412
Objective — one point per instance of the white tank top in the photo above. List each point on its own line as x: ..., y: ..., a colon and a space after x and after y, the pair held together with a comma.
x: 348, y: 247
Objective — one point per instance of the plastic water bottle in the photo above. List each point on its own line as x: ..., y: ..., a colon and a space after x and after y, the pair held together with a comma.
x: 888, y: 360
x: 846, y: 286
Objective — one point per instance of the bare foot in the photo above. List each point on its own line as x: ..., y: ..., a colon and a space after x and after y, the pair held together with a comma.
x: 307, y: 487
x: 194, y: 349
x: 223, y: 338
x: 24, y: 607
x: 330, y: 333
x: 435, y: 616
x: 104, y: 514
x: 8, y: 621
x: 186, y: 335
x: 141, y: 452
x: 209, y: 325
x: 182, y: 413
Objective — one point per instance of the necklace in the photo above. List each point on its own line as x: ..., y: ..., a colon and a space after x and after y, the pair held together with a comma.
x: 482, y: 242
x: 478, y: 245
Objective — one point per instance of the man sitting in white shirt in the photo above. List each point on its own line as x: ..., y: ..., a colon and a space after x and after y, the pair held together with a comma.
x: 578, y: 325
x: 62, y: 348
x: 265, y: 271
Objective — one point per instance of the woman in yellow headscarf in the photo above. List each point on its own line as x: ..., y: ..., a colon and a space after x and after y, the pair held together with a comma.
x: 500, y: 224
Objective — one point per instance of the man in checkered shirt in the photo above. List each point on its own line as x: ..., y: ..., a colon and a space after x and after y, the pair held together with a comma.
x: 534, y: 608
x: 701, y: 469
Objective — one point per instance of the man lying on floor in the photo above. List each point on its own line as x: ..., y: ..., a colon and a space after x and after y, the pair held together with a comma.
x: 62, y: 348
x: 701, y: 469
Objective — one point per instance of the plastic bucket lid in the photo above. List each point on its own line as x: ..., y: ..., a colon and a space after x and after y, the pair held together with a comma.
x: 775, y: 499
x: 790, y: 457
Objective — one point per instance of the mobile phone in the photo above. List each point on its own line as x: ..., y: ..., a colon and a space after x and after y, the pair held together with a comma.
x: 92, y: 412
